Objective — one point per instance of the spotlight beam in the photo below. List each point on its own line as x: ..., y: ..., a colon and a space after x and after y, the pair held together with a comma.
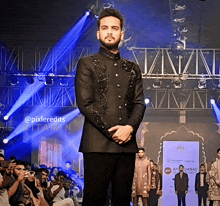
x: 61, y: 49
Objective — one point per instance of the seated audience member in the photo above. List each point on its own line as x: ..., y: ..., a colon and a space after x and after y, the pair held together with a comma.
x: 54, y: 171
x: 19, y: 193
x: 68, y: 193
x: 57, y: 191
x: 42, y: 185
x: 5, y: 172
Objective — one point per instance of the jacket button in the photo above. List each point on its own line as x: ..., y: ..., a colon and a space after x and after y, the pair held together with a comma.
x: 116, y: 75
x: 119, y: 96
x: 118, y: 85
x: 115, y: 64
x: 120, y: 107
x: 120, y: 118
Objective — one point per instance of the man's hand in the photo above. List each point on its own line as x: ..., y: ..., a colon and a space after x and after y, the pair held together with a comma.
x: 22, y: 175
x: 197, y: 192
x: 10, y: 168
x: 176, y: 192
x: 186, y: 192
x: 122, y: 133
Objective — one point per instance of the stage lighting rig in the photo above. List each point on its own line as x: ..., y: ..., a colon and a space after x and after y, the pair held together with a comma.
x: 30, y: 80
x: 179, y: 8
x: 63, y: 82
x: 181, y: 20
x: 157, y: 84
x: 202, y: 83
x: 49, y: 79
x: 13, y: 80
x: 176, y: 82
x: 108, y: 5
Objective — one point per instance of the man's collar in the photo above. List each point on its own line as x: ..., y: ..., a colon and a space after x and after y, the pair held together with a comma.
x: 104, y: 52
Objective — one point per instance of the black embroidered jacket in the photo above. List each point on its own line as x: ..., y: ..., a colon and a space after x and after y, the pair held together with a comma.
x: 109, y: 92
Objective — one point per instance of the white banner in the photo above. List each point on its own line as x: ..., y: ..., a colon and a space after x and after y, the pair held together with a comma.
x: 177, y: 153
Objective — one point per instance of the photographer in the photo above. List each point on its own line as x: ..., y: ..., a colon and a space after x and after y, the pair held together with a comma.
x: 57, y: 191
x: 19, y: 193
x: 6, y: 170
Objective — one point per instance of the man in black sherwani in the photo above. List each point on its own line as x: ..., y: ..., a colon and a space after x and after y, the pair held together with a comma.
x: 181, y: 185
x: 109, y: 94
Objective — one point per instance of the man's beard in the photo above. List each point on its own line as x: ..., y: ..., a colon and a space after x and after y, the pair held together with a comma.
x: 110, y: 46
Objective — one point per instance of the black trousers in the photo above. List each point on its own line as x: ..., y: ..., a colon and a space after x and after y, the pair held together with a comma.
x: 153, y: 198
x: 202, y: 194
x: 181, y: 198
x: 102, y: 168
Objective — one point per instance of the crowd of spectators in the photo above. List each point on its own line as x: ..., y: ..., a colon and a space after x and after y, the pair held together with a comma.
x: 23, y: 184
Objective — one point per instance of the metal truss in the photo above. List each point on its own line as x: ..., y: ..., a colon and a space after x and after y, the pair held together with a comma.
x: 188, y: 64
x: 175, y: 99
x: 160, y: 99
x: 191, y: 65
x: 160, y: 63
x: 47, y: 97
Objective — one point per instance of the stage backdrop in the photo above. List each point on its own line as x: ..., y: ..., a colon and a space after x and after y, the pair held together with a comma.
x: 177, y: 153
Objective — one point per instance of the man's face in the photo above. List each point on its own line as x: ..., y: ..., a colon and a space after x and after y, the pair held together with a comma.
x: 218, y: 154
x: 141, y: 153
x: 44, y: 176
x: 18, y: 169
x: 2, y: 159
x: 60, y: 178
x: 202, y: 169
x: 110, y: 33
x: 181, y: 169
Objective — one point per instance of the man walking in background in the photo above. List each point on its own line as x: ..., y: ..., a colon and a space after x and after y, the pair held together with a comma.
x: 201, y: 187
x: 181, y: 185
x: 142, y: 179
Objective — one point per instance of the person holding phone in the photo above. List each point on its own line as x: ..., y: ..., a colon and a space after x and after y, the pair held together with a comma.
x: 5, y: 173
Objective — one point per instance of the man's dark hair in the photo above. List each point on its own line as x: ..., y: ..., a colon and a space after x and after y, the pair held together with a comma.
x: 19, y: 162
x: 12, y: 158
x: 141, y: 148
x: 1, y: 155
x: 110, y: 12
x: 61, y: 173
x: 44, y: 170
x: 181, y: 166
x: 202, y: 165
x: 218, y: 150
x: 155, y: 164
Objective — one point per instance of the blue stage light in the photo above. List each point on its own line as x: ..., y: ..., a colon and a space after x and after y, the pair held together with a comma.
x: 6, y: 118
x: 88, y: 13
x: 212, y: 101
x: 147, y: 101
x: 5, y: 141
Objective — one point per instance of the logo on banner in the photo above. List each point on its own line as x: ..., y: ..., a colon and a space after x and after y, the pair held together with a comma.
x: 167, y: 170
x: 180, y: 148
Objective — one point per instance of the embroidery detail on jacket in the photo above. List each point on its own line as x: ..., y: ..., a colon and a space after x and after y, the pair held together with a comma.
x: 103, y: 87
x: 129, y: 66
